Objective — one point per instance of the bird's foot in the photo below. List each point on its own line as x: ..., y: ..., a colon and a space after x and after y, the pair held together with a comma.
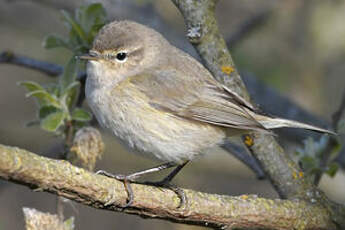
x: 126, y: 182
x: 165, y: 183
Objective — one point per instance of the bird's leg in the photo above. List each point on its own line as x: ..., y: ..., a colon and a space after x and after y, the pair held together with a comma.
x: 166, y: 182
x: 131, y: 177
x: 168, y: 179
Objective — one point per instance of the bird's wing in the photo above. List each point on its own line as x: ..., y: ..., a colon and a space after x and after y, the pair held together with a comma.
x: 202, y: 99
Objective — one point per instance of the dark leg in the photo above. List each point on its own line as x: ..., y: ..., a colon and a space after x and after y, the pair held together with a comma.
x: 166, y: 183
x: 171, y: 175
x: 133, y: 176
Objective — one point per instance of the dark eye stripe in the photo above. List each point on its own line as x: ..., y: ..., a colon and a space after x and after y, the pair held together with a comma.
x: 135, y: 53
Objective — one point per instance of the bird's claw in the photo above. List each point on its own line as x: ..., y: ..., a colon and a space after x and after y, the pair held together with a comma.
x: 126, y: 182
x: 179, y: 192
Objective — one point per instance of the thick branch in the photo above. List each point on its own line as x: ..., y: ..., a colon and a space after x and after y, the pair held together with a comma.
x: 64, y: 179
x: 204, y: 34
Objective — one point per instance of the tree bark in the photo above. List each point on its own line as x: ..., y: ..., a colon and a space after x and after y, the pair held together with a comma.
x: 246, y: 211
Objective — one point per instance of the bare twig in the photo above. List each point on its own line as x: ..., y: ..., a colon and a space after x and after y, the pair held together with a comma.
x: 247, y: 211
x: 241, y: 154
x: 42, y: 66
x: 51, y: 69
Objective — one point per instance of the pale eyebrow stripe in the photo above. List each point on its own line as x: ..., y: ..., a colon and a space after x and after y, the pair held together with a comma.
x: 137, y: 51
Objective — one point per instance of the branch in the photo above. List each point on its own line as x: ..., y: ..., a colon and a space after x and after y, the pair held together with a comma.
x: 204, y: 34
x: 42, y: 66
x: 284, y: 174
x: 247, y: 211
x: 51, y: 69
x: 241, y: 154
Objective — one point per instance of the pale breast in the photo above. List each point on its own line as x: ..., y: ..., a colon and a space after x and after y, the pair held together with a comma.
x: 126, y: 112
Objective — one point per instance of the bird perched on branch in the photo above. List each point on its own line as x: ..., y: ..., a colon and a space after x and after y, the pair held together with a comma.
x: 161, y: 102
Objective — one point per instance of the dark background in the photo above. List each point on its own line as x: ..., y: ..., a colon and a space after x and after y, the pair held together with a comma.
x: 299, y: 49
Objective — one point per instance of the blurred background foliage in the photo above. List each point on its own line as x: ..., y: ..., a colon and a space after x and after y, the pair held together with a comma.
x: 299, y: 50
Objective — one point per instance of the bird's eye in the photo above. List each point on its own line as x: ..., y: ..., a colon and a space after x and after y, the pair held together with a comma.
x: 121, y: 56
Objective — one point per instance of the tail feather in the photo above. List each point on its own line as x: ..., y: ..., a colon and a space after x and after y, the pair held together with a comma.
x: 273, y: 123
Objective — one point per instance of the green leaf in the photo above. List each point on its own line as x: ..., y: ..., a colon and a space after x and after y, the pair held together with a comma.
x: 44, y: 97
x: 91, y: 18
x: 315, y: 171
x: 70, y: 74
x: 46, y: 110
x: 53, y: 89
x: 332, y: 169
x: 76, y: 44
x: 73, y: 25
x: 31, y: 85
x: 79, y: 124
x: 71, y: 93
x: 71, y: 86
x: 53, y: 121
x: 334, y: 152
x: 54, y: 41
x: 81, y: 115
x: 94, y: 31
x: 308, y: 163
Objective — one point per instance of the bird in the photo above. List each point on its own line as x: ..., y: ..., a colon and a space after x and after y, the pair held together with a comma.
x: 162, y: 103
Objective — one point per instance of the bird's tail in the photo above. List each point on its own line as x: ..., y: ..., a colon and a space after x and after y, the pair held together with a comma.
x: 273, y: 123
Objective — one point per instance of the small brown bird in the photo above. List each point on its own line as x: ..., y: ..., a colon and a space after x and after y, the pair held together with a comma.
x: 161, y: 102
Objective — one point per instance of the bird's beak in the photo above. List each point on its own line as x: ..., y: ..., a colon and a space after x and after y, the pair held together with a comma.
x: 88, y: 57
